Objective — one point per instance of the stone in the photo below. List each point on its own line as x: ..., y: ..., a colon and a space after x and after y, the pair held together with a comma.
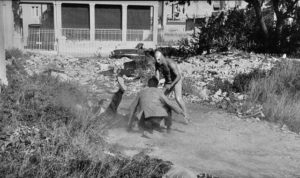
x: 176, y: 172
x: 60, y: 76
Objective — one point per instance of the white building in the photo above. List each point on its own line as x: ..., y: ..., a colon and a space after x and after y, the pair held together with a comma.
x: 91, y: 25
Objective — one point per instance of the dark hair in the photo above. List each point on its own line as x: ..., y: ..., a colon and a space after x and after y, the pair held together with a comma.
x: 153, y: 82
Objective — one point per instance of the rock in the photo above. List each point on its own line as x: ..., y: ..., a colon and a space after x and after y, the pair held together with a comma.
x: 104, y: 67
x: 73, y: 60
x: 241, y: 97
x: 176, y: 172
x: 60, y: 76
x: 204, y: 94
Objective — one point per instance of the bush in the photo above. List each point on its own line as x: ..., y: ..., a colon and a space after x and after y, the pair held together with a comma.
x: 279, y: 93
x: 13, y: 53
x: 242, y: 81
x: 222, y: 32
x: 239, y: 29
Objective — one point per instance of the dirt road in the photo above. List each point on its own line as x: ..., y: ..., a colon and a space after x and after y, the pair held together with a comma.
x: 219, y: 144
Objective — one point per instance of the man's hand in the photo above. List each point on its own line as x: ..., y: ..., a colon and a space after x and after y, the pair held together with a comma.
x: 168, y: 87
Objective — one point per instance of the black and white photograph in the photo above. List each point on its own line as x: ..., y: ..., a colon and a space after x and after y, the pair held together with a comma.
x: 150, y: 89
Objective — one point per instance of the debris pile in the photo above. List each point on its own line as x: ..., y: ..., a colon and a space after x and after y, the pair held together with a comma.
x: 95, y: 73
x: 204, y: 70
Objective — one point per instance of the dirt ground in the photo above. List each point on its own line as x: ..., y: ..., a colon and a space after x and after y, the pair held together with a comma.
x: 217, y: 143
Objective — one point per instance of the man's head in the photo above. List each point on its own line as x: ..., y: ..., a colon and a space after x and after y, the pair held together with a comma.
x: 153, y: 82
x: 159, y: 57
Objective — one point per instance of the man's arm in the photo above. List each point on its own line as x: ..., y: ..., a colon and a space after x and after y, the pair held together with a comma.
x: 132, y: 111
x: 173, y: 66
x: 171, y: 105
x: 157, y: 73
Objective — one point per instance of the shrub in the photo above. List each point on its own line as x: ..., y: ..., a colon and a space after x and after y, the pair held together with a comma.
x: 239, y: 29
x: 221, y: 32
x: 13, y: 53
x: 218, y: 83
x: 242, y: 81
x: 279, y: 93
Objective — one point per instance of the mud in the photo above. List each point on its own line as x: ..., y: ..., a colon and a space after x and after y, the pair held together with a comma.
x: 217, y: 143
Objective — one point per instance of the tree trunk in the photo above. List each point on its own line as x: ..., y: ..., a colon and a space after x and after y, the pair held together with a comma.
x: 279, y: 27
x: 3, y: 79
x: 260, y: 19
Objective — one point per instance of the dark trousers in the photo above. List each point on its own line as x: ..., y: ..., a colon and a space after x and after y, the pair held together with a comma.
x: 153, y: 123
x: 112, y: 108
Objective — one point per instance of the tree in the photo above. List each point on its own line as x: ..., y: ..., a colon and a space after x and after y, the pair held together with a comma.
x: 257, y: 5
x: 283, y: 9
x: 3, y: 79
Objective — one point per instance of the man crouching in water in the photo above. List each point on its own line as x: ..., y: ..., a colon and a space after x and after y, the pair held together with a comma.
x: 154, y: 107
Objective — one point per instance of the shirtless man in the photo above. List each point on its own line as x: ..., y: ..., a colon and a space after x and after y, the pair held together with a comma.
x: 173, y: 79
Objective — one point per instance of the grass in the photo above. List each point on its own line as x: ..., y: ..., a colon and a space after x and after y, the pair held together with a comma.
x: 45, y: 132
x: 279, y: 94
x: 13, y: 53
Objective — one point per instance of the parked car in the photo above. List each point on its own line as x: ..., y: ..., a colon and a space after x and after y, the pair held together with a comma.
x: 141, y: 58
x: 139, y: 52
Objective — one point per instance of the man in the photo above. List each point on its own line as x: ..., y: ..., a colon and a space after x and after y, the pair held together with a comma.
x: 154, y: 106
x: 107, y: 112
x: 173, y: 79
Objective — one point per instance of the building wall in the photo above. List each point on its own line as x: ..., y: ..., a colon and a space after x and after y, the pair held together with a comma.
x: 31, y: 14
x: 8, y: 21
x: 3, y: 79
x: 196, y: 9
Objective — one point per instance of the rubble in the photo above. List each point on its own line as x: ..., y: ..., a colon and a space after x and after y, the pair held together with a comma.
x: 203, y: 70
x: 97, y: 73
x: 85, y: 71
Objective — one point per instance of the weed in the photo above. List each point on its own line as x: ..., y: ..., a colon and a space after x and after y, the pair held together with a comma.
x: 279, y: 93
x: 13, y: 53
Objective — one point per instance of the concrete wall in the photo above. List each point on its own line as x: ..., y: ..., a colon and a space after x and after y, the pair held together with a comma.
x: 196, y: 9
x: 3, y: 79
x: 8, y: 20
x: 30, y: 18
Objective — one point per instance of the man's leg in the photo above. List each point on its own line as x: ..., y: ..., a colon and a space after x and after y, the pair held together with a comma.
x: 117, y: 97
x: 179, y: 99
x: 146, y: 125
x: 168, y: 123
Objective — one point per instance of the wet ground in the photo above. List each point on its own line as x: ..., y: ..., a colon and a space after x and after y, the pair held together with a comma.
x: 217, y: 143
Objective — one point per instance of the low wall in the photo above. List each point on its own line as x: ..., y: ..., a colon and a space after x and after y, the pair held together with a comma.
x: 97, y: 48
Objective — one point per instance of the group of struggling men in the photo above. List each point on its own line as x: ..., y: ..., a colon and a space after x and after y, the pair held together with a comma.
x: 151, y: 105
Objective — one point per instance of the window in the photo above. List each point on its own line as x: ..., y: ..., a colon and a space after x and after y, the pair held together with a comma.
x: 35, y: 11
x: 75, y: 16
x: 139, y: 17
x: 217, y: 5
x: 108, y: 16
